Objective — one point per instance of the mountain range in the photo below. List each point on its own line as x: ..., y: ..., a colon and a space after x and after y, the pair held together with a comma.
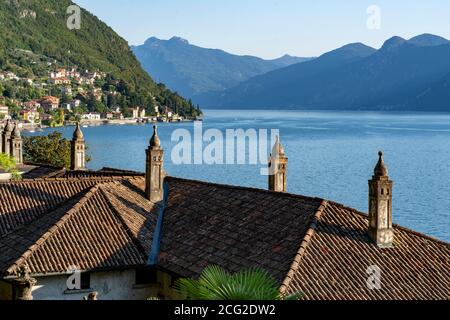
x: 191, y: 70
x: 403, y: 74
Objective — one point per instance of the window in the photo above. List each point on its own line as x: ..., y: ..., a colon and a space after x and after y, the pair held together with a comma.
x: 146, y: 276
x: 85, y: 281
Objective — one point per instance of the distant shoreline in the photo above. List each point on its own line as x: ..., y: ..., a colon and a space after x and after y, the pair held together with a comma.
x: 113, y: 122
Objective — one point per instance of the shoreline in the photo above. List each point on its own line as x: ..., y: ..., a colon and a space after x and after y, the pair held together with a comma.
x: 113, y: 122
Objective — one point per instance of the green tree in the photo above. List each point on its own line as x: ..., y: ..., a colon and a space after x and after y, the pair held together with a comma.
x: 57, y: 118
x: 8, y: 165
x: 52, y: 149
x: 217, y: 284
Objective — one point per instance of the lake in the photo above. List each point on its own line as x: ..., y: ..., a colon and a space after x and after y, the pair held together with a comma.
x: 331, y: 155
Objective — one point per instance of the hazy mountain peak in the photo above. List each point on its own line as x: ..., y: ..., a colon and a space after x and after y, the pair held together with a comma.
x: 179, y: 40
x: 156, y: 41
x: 151, y: 40
x: 191, y: 70
x: 393, y: 42
x: 400, y: 76
x: 428, y: 40
x: 350, y: 50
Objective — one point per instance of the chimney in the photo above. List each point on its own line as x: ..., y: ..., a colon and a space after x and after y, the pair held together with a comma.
x: 78, y: 150
x: 278, y: 168
x: 23, y: 285
x: 380, y: 206
x: 154, y: 172
x: 1, y: 138
x: 6, y: 138
x: 16, y: 145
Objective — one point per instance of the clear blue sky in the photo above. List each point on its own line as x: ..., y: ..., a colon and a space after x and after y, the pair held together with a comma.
x: 271, y: 28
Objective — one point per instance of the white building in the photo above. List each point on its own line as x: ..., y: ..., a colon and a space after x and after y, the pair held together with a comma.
x: 138, y: 113
x: 4, y: 111
x: 91, y: 116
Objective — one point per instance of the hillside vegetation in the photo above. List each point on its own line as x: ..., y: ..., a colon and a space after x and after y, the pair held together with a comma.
x: 40, y: 26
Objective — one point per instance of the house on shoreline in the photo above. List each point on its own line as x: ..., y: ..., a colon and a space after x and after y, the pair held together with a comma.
x: 131, y: 235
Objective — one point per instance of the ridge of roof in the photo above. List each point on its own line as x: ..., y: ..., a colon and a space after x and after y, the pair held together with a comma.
x: 303, y: 246
x: 74, y: 203
x: 273, y: 193
x: 394, y: 225
x: 108, y: 169
x: 108, y: 195
x: 44, y: 165
x: 67, y: 179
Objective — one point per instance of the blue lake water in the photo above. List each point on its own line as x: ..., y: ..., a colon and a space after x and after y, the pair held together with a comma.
x: 331, y: 155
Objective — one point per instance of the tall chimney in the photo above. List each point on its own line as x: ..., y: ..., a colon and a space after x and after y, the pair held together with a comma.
x: 6, y: 137
x: 278, y: 168
x: 17, y: 145
x: 380, y: 206
x: 1, y: 138
x: 78, y: 150
x: 154, y: 172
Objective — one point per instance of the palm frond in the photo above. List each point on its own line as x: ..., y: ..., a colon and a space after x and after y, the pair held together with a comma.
x: 215, y: 283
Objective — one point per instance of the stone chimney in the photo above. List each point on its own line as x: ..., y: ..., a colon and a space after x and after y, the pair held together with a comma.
x: 154, y: 172
x: 380, y: 206
x: 17, y: 145
x: 1, y: 138
x: 78, y: 150
x: 278, y: 168
x: 6, y: 138
x: 23, y: 285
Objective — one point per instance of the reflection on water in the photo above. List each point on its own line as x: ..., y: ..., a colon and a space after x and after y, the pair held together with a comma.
x: 331, y: 155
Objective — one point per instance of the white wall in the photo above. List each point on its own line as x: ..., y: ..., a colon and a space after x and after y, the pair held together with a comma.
x: 113, y: 285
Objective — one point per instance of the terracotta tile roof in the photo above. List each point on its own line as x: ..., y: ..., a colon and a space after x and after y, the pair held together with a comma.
x: 232, y: 227
x: 37, y: 171
x: 106, y: 226
x: 23, y: 202
x: 334, y: 260
x: 309, y: 245
x: 98, y: 220
x: 42, y: 171
x: 105, y: 172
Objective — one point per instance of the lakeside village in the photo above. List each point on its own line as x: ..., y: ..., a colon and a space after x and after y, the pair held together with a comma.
x: 72, y: 96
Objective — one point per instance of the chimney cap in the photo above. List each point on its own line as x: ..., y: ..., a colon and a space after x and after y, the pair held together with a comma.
x: 380, y: 169
x: 278, y: 148
x: 16, y: 131
x: 9, y: 126
x: 155, y: 142
x: 78, y: 134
